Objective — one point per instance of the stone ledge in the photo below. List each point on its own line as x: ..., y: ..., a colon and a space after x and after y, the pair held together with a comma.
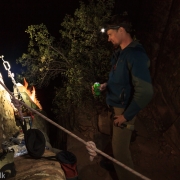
x: 32, y: 169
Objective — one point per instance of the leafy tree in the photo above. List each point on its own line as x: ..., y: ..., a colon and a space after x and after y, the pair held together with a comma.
x: 80, y: 58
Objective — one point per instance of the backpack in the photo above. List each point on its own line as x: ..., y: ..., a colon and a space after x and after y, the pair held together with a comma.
x: 35, y: 142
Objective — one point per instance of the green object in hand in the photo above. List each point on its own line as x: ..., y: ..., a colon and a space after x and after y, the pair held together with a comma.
x: 97, y: 91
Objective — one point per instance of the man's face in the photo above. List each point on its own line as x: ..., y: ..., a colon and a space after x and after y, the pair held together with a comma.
x: 114, y: 36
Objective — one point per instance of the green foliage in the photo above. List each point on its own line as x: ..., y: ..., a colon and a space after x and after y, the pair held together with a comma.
x: 43, y: 62
x: 82, y: 56
x: 88, y: 50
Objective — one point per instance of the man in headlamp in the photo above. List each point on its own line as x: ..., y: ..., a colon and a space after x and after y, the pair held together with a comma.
x: 129, y: 88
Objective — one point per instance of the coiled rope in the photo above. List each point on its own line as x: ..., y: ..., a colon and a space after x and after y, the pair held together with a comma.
x: 91, y: 147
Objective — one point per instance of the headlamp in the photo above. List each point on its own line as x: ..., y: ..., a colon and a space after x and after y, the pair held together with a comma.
x: 103, y: 30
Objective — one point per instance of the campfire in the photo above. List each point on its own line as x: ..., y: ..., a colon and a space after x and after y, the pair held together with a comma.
x: 32, y: 94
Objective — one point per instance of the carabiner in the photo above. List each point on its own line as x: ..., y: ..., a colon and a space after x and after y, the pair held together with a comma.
x: 6, y: 65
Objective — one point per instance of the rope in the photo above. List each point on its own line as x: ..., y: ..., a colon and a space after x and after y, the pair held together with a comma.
x: 90, y: 145
x: 7, y: 67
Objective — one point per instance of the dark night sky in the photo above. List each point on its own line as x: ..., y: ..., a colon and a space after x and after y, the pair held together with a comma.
x: 16, y: 15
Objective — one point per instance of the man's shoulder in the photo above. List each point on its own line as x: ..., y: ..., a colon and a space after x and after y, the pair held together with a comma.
x: 136, y: 46
x: 136, y: 54
x: 136, y: 50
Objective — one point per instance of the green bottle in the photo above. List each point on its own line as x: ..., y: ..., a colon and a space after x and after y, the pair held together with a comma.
x: 97, y: 91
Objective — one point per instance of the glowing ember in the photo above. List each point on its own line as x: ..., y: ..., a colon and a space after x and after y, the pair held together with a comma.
x: 32, y: 94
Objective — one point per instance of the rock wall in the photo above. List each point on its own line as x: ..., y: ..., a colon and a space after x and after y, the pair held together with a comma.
x: 167, y: 75
x: 27, y: 167
x: 37, y: 122
x: 32, y: 169
x: 7, y: 121
x: 8, y: 124
x: 157, y: 25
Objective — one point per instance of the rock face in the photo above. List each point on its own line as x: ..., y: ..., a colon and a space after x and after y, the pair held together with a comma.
x: 157, y: 25
x: 38, y: 122
x: 7, y: 121
x: 32, y: 169
x: 27, y: 167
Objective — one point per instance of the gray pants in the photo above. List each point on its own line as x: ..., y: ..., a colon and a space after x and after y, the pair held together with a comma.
x: 120, y: 146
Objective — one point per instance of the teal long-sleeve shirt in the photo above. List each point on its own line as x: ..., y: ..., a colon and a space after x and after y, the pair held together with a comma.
x: 129, y: 85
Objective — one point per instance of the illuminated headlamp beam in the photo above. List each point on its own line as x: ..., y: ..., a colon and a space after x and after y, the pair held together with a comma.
x: 103, y: 30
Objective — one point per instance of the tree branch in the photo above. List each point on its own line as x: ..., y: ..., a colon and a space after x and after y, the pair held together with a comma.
x: 60, y: 54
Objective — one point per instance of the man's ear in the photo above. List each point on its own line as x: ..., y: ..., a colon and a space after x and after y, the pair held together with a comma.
x: 121, y: 29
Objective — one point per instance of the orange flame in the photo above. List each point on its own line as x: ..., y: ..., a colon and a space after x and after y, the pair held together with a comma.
x: 32, y: 94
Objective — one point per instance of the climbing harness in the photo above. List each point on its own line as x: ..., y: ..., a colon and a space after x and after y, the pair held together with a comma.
x: 91, y: 146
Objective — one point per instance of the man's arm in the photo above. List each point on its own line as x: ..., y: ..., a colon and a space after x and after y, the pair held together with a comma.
x: 141, y: 79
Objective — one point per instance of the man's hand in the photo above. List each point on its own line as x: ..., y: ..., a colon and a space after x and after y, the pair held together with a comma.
x: 102, y: 87
x: 119, y: 120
